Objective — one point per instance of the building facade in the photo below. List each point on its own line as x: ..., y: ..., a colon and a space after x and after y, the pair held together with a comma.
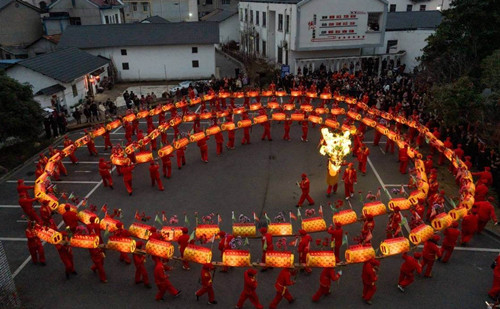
x: 418, y: 5
x: 228, y: 24
x: 207, y: 6
x: 19, y: 23
x: 171, y: 10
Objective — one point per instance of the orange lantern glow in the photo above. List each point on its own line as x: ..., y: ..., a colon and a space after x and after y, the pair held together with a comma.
x: 84, y: 241
x: 395, y: 246
x: 350, y: 100
x: 244, y: 123
x: 421, y: 233
x: 109, y: 224
x: 359, y: 254
x: 181, y: 104
x: 68, y: 150
x: 386, y: 116
x: 337, y: 111
x: 321, y: 110
x: 320, y: 259
x: 316, y: 224
x: 207, y: 231
x: 362, y: 105
x: 224, y: 94
x: 197, y: 254
x: 205, y: 116
x: 212, y: 130
x: 129, y: 118
x: 272, y: 105
x: 374, y: 208
x: 228, y: 126
x: 155, y: 111
x: 382, y: 129
x: 255, y: 106
x: 61, y: 208
x: 400, y: 119
x: 98, y: 132
x: 260, y: 119
x: 82, y: 141
x: 208, y: 97
x: 282, y: 259
x: 297, y: 117
x: 310, y: 94
x: 315, y: 119
x: 401, y: 202
x: 171, y: 233
x: 142, y: 114
x: 160, y: 248
x: 121, y: 244
x: 189, y: 117
x: 295, y: 93
x: 441, y: 221
x: 306, y: 107
x: 345, y: 217
x: 175, y: 121
x: 183, y: 142
x: 252, y: 94
x: 85, y: 215
x: 467, y: 201
x: 165, y: 151
x: 195, y: 101
x: 458, y: 213
x: 193, y: 138
x: 325, y: 96
x: 120, y: 161
x: 139, y: 230
x: 280, y: 229
x: 51, y: 201
x: 288, y: 107
x: 143, y: 157
x: 48, y: 235
x: 238, y: 94
x: 332, y: 123
x: 113, y: 125
x: 280, y: 93
x: 353, y: 115
x: 223, y: 113
x: 167, y: 107
x: 244, y: 229
x: 415, y: 196
x: 369, y: 122
x: 236, y: 258
x: 351, y: 128
x: 279, y: 116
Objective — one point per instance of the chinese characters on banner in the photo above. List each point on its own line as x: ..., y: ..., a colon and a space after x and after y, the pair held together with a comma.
x: 335, y: 27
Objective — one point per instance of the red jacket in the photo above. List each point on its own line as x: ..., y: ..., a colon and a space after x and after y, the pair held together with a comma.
x: 70, y: 219
x: 485, y: 211
x: 250, y: 281
x: 139, y: 260
x: 284, y: 280
x: 403, y: 154
x: 121, y: 233
x: 481, y: 192
x: 450, y: 237
x: 350, y: 176
x: 206, y: 278
x: 127, y: 172
x: 96, y: 254
x: 104, y: 168
x: 27, y: 204
x: 23, y: 189
x: 337, y: 234
x: 410, y: 265
x: 219, y: 138
x: 183, y: 241
x: 33, y: 240
x: 153, y: 171
x: 304, y: 243
x: 369, y: 275
x: 304, y: 185
x: 267, y: 239
x: 469, y: 224
x: 159, y: 273
x: 327, y: 276
x: 430, y: 251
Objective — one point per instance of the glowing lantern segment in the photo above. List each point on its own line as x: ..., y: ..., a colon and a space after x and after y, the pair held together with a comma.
x: 321, y: 110
x: 181, y: 104
x: 359, y: 254
x: 252, y: 94
x: 139, y: 230
x: 119, y: 160
x: 288, y: 106
x: 416, y: 195
x: 316, y: 224
x: 280, y: 93
x: 207, y: 230
x: 337, y: 111
x: 193, y: 138
x: 113, y: 125
x: 129, y: 118
x: 61, y: 208
x: 68, y: 150
x: 325, y: 96
x: 307, y: 107
x: 255, y: 106
x: 122, y: 244
x: 315, y: 119
x: 244, y: 123
x: 282, y: 259
x: 212, y: 130
x: 336, y: 147
x: 320, y: 259
x: 369, y: 122
x: 206, y: 115
x: 297, y: 117
x: 354, y: 115
x: 295, y: 93
x: 142, y: 114
x: 108, y: 223
x: 273, y: 105
x: 228, y: 126
x: 279, y: 116
x: 175, y: 121
x: 458, y: 213
x: 260, y: 119
x: 155, y: 111
x: 345, y: 217
x: 238, y: 110
x: 441, y: 221
x: 167, y: 107
x: 236, y: 258
x: 467, y: 201
x: 198, y: 254
x: 98, y: 132
x: 50, y: 200
x: 85, y: 215
x: 238, y: 95
x: 82, y: 141
x: 160, y: 248
x: 165, y: 151
x: 195, y: 101
x: 311, y: 94
x: 421, y: 233
x: 374, y: 208
x: 49, y: 235
x: 181, y: 143
x: 171, y: 233
x: 395, y: 246
x: 224, y: 94
x: 143, y: 157
x: 351, y: 128
x: 244, y: 230
x: 84, y: 241
x: 401, y: 202
x: 332, y: 124
x: 280, y: 229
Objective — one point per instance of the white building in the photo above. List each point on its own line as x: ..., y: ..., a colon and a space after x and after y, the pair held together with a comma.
x: 229, y: 25
x: 171, y: 10
x: 418, y: 5
x: 302, y: 33
x: 66, y: 75
x: 151, y: 51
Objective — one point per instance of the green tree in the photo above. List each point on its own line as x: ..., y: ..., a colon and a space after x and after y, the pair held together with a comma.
x: 20, y: 115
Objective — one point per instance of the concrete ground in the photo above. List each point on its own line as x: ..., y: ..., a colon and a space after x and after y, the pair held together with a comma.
x: 259, y: 177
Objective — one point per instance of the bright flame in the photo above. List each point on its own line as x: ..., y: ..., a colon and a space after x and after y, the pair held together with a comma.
x: 336, y: 147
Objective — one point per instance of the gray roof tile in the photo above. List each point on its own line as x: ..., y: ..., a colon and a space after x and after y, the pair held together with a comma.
x: 219, y: 15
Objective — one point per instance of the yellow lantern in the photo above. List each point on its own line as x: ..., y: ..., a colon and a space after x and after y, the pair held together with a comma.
x: 155, y: 111
x: 441, y: 221
x: 181, y: 104
x: 143, y: 157
x: 320, y: 259
x: 400, y: 119
x: 82, y: 141
x: 332, y: 124
x: 288, y: 106
x: 345, y: 217
x: 68, y: 150
x: 98, y: 132
x: 129, y: 118
x: 197, y: 254
x: 238, y: 94
x: 51, y: 200
x: 415, y: 196
x: 85, y: 215
x: 224, y: 94
x: 311, y: 94
x: 321, y: 110
x: 374, y: 208
x: 171, y: 233
x: 279, y: 116
x: 165, y: 151
x: 280, y: 229
x: 238, y: 110
x: 386, y: 116
x: 207, y: 230
x: 244, y: 123
x: 369, y: 122
x: 120, y: 161
x: 48, y: 235
x: 295, y: 93
x: 252, y: 93
x: 325, y: 96
x: 160, y: 248
x: 113, y: 125
x: 458, y: 213
x: 189, y: 117
x: 350, y: 100
x: 306, y: 107
x: 139, y: 230
x: 193, y: 138
x: 61, y: 208
x: 207, y: 115
x: 236, y: 258
x: 228, y: 126
x: 108, y: 223
x: 167, y: 107
x: 212, y: 130
x: 244, y: 229
x: 175, y: 122
x: 122, y: 244
x: 297, y: 117
x: 315, y: 119
x: 401, y: 202
x: 260, y: 119
x: 280, y: 93
x: 362, y: 105
x: 359, y: 254
x: 142, y: 114
x: 421, y: 233
x: 84, y: 241
x: 382, y: 129
x: 223, y: 113
x: 353, y: 115
x: 281, y: 259
x: 337, y: 111
x: 351, y: 128
x: 316, y: 224
x: 183, y: 142
x: 272, y: 105
x: 467, y: 201
x: 208, y: 97
x: 395, y: 246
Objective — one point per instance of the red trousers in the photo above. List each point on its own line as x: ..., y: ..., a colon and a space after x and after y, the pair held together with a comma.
x: 362, y: 166
x: 158, y: 181
x: 429, y: 264
x: 377, y: 137
x: 303, y: 197
x: 403, y: 166
x: 348, y: 188
x: 286, y: 136
x: 73, y: 158
x: 330, y: 188
x: 99, y: 266
x: 230, y: 142
x: 68, y: 263
x: 446, y: 252
x: 124, y: 257
x: 128, y: 185
x: 33, y: 216
x: 267, y: 134
x: 207, y: 289
x: 368, y: 291
x: 304, y: 133
x: 164, y: 287
x: 37, y: 253
x: 279, y: 296
x: 389, y: 144
x: 167, y: 170
x: 323, y: 290
x: 441, y: 158
x: 219, y: 148
x: 254, y: 299
x: 495, y: 289
x: 204, y: 154
x: 141, y: 274
x: 481, y: 225
x: 467, y: 236
x: 246, y: 137
x: 181, y: 160
x: 106, y: 179
x: 406, y: 279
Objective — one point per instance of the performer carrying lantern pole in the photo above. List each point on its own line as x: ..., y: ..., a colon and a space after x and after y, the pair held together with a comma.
x: 141, y: 275
x: 35, y: 245
x: 162, y: 282
x: 207, y: 284
x: 282, y: 282
x: 325, y: 281
x: 249, y: 288
x: 369, y: 276
x: 304, y: 186
x: 409, y: 266
x: 267, y: 245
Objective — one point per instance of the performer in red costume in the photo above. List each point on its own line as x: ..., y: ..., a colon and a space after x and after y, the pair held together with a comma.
x: 206, y: 284
x: 35, y: 245
x: 337, y: 235
x: 451, y: 235
x: 154, y: 174
x: 121, y: 232
x: 362, y: 155
x: 407, y: 270
x: 304, y: 245
x: 469, y: 226
x: 369, y: 276
x: 141, y: 274
x: 485, y: 213
x: 127, y: 177
x: 249, y: 288
x: 304, y: 186
x: 349, y: 178
x: 167, y: 165
x: 267, y: 244
x: 283, y: 281
x: 162, y: 282
x: 325, y: 282
x: 104, y: 171
x: 431, y: 250
x: 183, y: 241
x: 97, y: 256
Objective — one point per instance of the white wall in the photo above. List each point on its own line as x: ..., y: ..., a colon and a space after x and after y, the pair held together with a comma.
x: 430, y: 5
x: 161, y: 62
x: 114, y: 16
x: 229, y: 29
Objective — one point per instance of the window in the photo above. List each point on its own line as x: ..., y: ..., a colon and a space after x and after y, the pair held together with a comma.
x: 75, y: 21
x: 263, y: 19
x: 241, y: 14
x: 145, y: 6
x: 124, y: 52
x: 280, y: 22
x: 116, y: 18
x: 256, y: 17
x: 287, y: 23
x: 106, y: 18
x: 374, y: 21
x: 257, y: 45
x: 280, y: 54
x: 246, y: 15
x: 194, y: 50
x: 134, y: 6
x: 196, y: 64
x: 226, y: 2
x: 251, y: 16
x: 409, y: 8
x: 75, y: 91
x: 264, y: 48
x: 208, y: 1
x: 392, y: 8
x: 392, y: 46
x: 422, y: 7
x: 125, y: 66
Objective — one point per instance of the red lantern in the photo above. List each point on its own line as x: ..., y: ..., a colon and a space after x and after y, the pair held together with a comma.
x: 208, y: 97
x: 280, y: 229
x: 306, y: 107
x: 221, y: 114
x: 244, y: 123
x: 193, y: 138
x: 420, y: 234
x: 272, y: 105
x: 48, y: 235
x: 288, y: 107
x: 297, y: 117
x: 374, y: 208
x: 238, y: 110
x: 238, y: 95
x: 167, y: 107
x: 166, y: 150
x: 155, y: 111
x: 84, y: 241
x: 181, y: 143
x: 315, y: 119
x: 142, y: 114
x: 205, y: 116
x: 181, y: 104
x: 295, y: 93
x: 129, y: 118
x: 332, y: 124
x: 260, y: 119
x: 252, y: 94
x: 321, y: 110
x: 337, y: 111
x: 325, y: 96
x: 120, y: 161
x: 354, y: 115
x: 279, y: 116
x: 227, y: 126
x: 255, y: 106
x: 82, y: 141
x: 280, y: 93
x: 195, y: 101
x: 143, y: 157
x: 189, y: 117
x: 175, y: 122
x: 224, y: 94
x: 113, y: 125
x: 369, y: 122
x: 310, y: 94
x: 386, y: 116
x: 212, y: 130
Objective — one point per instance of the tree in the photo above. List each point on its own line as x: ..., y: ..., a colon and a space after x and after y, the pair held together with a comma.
x: 20, y: 115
